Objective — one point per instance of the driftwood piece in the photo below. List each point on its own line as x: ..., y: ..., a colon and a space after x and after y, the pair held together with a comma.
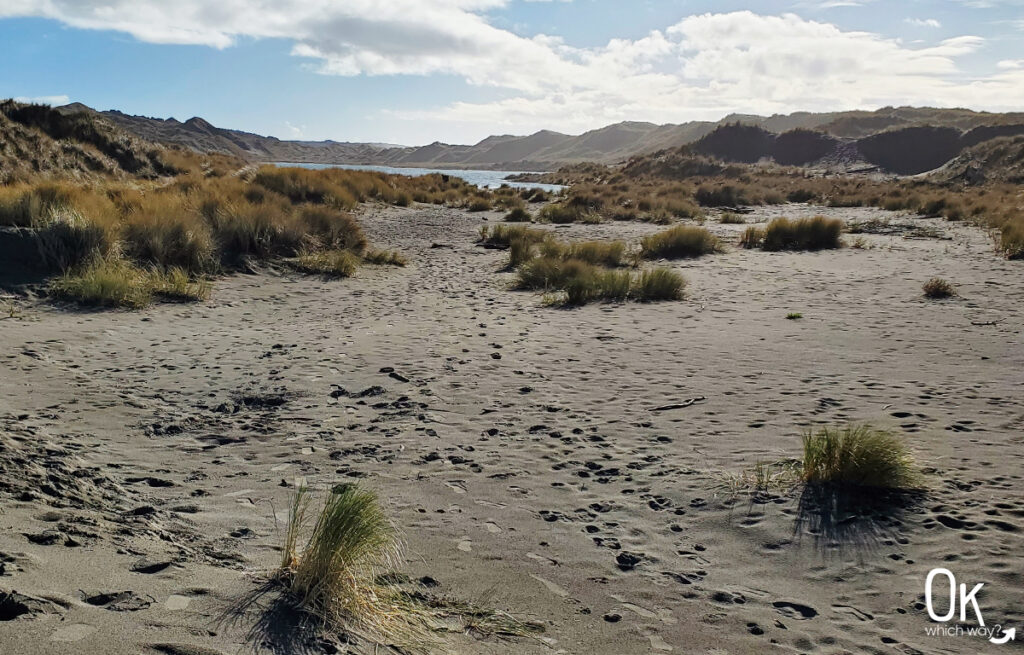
x: 682, y: 405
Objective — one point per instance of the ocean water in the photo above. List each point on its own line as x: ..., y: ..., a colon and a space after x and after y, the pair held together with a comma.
x: 482, y: 179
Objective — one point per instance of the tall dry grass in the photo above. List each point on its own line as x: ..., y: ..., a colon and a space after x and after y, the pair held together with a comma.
x: 679, y: 242
x: 201, y: 223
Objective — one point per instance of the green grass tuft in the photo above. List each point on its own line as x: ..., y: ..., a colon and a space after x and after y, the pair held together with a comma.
x: 332, y: 263
x: 176, y: 284
x: 860, y: 456
x: 105, y: 283
x: 331, y: 576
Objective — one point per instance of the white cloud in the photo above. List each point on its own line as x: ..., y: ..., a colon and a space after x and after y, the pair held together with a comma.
x: 702, y: 67
x: 923, y: 22
x: 295, y: 131
x: 44, y: 100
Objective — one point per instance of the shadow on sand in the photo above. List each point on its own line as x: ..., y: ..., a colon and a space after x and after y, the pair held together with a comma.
x: 273, y: 623
x: 843, y: 519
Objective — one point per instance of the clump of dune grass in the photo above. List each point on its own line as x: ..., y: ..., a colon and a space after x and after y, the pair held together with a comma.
x: 817, y: 233
x: 727, y: 195
x: 600, y: 253
x: 729, y: 218
x: 562, y: 213
x: 552, y: 273
x: 937, y: 289
x: 577, y: 282
x: 385, y: 258
x: 246, y: 229
x: 679, y: 242
x: 752, y: 237
x: 794, y: 316
x: 338, y: 571
x: 332, y: 263
x: 503, y: 235
x: 479, y: 204
x: 107, y: 282
x: 520, y: 251
x: 330, y: 573
x: 1011, y: 238
x: 658, y: 284
x: 859, y: 456
x: 332, y: 229
x: 67, y: 239
x: 165, y: 231
x: 177, y: 284
x: 518, y: 215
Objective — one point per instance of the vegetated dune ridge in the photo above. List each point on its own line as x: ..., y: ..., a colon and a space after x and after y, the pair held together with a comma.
x: 547, y: 150
x: 35, y: 140
x: 520, y: 447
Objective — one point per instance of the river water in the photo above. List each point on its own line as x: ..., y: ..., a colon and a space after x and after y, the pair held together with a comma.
x: 482, y: 179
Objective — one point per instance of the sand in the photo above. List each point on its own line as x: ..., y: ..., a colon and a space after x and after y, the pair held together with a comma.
x: 144, y: 454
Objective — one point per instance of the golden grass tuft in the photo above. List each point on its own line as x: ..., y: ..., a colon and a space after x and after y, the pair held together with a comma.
x: 503, y: 235
x: 479, y: 205
x: 562, y: 213
x: 332, y: 263
x: 752, y: 237
x: 681, y: 241
x: 1011, y: 238
x: 860, y: 456
x: 658, y: 284
x: 165, y: 231
x: 519, y: 215
x: 385, y: 258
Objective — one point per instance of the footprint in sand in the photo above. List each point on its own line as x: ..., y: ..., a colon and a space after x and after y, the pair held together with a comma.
x: 551, y: 586
x: 659, y: 644
x: 465, y: 545
x: 492, y: 527
x: 73, y: 632
x: 458, y: 486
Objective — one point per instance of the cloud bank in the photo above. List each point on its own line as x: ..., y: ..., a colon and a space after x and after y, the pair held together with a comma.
x: 701, y: 67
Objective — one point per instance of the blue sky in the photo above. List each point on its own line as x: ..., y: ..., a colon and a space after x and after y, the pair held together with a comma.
x: 415, y: 71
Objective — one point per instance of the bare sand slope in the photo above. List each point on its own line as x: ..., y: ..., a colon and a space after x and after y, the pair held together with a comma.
x: 144, y: 454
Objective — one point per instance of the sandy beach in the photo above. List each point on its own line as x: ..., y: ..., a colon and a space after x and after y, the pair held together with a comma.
x: 525, y: 451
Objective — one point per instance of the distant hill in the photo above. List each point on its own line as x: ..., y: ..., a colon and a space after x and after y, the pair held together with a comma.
x: 902, y: 150
x: 38, y: 140
x: 846, y: 140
